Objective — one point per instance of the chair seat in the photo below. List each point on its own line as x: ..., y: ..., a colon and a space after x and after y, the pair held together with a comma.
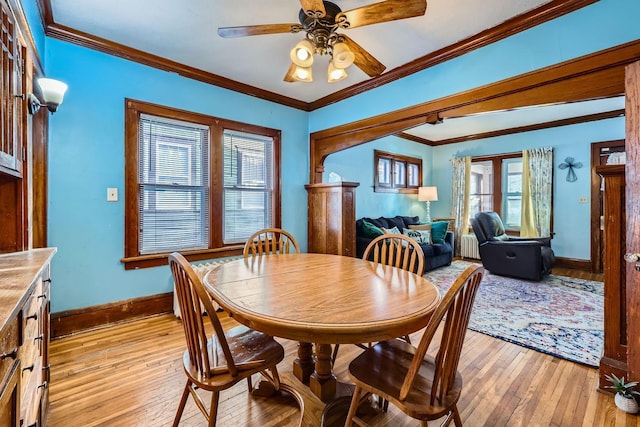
x: 247, y: 346
x: 396, y: 356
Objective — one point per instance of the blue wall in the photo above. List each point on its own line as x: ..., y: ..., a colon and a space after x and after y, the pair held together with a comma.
x: 369, y: 203
x: 87, y: 153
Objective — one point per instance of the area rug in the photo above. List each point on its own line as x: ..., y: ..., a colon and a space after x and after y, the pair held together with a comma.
x: 561, y: 316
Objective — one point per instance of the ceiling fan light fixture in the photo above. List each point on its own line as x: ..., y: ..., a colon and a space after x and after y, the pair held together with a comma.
x: 303, y: 74
x: 335, y: 74
x: 302, y: 53
x: 342, y: 55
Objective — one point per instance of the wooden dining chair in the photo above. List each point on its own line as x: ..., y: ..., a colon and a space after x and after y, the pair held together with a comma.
x: 218, y: 362
x: 423, y: 387
x: 270, y: 241
x: 396, y: 250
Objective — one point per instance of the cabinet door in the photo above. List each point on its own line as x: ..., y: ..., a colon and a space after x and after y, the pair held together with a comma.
x: 13, y: 106
x: 10, y: 398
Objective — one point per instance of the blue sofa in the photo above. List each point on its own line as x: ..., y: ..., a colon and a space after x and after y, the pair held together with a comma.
x: 435, y: 254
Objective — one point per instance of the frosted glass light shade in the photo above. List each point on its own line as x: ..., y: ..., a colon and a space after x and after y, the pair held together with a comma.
x: 428, y: 194
x: 302, y: 53
x: 303, y: 74
x: 335, y: 74
x: 52, y: 92
x: 342, y: 56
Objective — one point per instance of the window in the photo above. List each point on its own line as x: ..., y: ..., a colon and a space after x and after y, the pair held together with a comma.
x: 196, y: 184
x: 396, y: 173
x: 481, y: 187
x: 512, y: 193
x: 248, y: 185
x: 173, y: 185
x: 496, y: 185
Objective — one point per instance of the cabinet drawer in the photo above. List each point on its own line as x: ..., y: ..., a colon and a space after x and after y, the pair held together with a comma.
x: 9, y: 345
x: 31, y: 330
x: 10, y: 397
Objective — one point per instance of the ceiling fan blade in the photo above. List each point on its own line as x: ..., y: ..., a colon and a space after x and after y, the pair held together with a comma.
x: 289, y: 76
x: 364, y: 60
x: 313, y: 8
x: 384, y: 11
x: 258, y: 30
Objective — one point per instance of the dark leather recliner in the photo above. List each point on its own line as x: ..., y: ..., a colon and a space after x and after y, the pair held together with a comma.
x: 524, y: 258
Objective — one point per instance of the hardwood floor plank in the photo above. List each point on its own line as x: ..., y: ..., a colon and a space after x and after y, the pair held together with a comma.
x: 131, y: 375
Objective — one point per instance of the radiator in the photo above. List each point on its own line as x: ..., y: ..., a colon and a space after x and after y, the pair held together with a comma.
x: 200, y: 270
x: 469, y: 246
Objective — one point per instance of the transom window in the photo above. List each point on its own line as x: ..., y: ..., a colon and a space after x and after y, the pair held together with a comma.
x: 496, y: 185
x: 195, y: 184
x: 396, y: 173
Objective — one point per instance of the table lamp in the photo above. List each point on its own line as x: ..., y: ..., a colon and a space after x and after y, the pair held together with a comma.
x: 428, y: 194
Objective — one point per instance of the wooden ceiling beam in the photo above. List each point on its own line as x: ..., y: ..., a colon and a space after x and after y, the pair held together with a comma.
x: 597, y: 75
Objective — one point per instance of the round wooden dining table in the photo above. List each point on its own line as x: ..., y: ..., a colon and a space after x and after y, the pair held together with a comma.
x: 322, y: 299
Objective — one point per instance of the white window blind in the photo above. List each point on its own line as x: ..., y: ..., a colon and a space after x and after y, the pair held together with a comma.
x: 248, y: 185
x: 173, y: 183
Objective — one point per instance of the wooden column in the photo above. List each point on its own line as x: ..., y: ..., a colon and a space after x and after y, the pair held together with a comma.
x: 332, y: 218
x: 632, y: 113
x: 614, y: 358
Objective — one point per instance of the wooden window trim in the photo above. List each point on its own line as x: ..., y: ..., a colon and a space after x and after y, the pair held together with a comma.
x: 133, y: 109
x: 391, y: 188
x: 497, y: 181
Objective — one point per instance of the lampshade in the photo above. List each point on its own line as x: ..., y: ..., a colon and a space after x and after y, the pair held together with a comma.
x: 335, y: 74
x: 52, y: 92
x: 428, y: 194
x: 302, y: 53
x: 342, y: 56
x: 303, y: 74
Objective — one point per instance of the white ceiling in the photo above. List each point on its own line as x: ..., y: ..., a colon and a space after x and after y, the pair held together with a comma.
x: 497, y: 120
x: 186, y: 32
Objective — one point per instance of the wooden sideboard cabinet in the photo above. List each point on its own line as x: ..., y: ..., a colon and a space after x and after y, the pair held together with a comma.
x: 614, y: 358
x: 24, y: 337
x: 332, y: 218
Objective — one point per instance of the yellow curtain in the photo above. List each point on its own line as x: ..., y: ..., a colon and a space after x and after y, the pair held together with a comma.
x: 527, y: 219
x: 537, y: 192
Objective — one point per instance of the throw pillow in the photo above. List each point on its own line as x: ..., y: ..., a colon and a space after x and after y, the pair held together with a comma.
x: 420, y: 226
x: 370, y: 230
x: 423, y: 237
x: 378, y: 222
x: 439, y: 231
x: 393, y: 230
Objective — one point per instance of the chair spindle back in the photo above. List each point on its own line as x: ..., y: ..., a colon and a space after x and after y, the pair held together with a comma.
x: 191, y: 293
x: 396, y: 250
x: 270, y: 241
x: 456, y: 305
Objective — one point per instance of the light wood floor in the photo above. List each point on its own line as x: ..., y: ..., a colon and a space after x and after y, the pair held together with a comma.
x: 131, y: 375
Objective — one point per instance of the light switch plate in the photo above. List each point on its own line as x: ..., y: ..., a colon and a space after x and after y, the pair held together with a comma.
x: 112, y: 194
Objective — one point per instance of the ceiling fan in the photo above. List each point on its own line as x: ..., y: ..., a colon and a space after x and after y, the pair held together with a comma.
x: 321, y: 20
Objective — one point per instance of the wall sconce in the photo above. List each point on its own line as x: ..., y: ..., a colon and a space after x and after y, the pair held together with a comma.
x: 52, y: 94
x: 428, y: 194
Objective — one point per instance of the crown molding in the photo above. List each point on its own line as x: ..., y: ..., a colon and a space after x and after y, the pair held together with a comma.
x: 510, y: 131
x: 90, y: 41
x: 544, y: 13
